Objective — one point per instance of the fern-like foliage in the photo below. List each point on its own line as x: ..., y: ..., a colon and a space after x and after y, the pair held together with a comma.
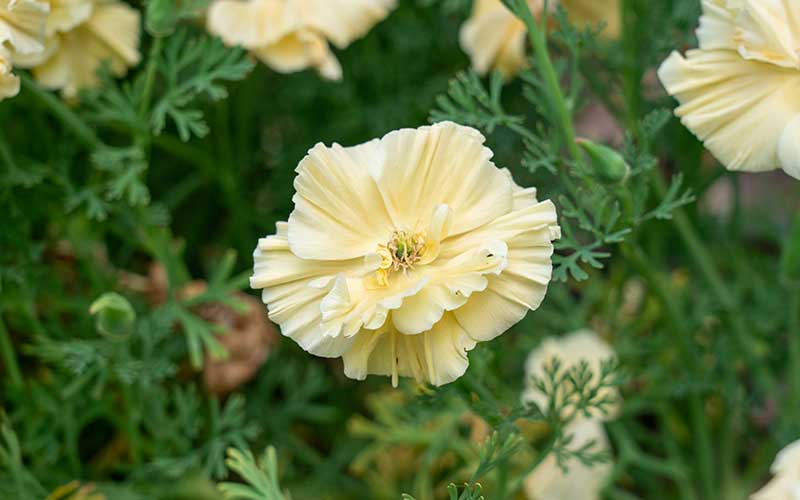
x: 261, y: 476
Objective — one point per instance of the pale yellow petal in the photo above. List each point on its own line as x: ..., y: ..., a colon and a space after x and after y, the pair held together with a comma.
x: 9, y: 82
x: 253, y: 24
x: 494, y: 38
x: 22, y: 25
x: 739, y: 108
x: 581, y: 482
x: 789, y: 148
x: 717, y: 28
x: 342, y: 21
x: 67, y: 14
x: 444, y: 163
x: 438, y: 356
x: 300, y: 50
x: 769, y: 31
x: 450, y: 285
x: 111, y: 34
x: 338, y: 211
x: 294, y: 290
x: 786, y: 483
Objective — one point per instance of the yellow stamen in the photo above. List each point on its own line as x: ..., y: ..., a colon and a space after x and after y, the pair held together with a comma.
x: 401, y: 253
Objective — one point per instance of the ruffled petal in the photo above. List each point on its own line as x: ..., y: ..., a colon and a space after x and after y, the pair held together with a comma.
x: 343, y: 21
x: 450, y: 286
x: 294, y: 290
x: 68, y: 14
x: 22, y: 25
x: 528, y: 232
x: 338, y: 211
x: 581, y: 482
x: 442, y: 164
x: 73, y: 58
x: 300, y: 50
x: 438, y: 356
x: 725, y: 98
x: 717, y: 28
x: 769, y: 31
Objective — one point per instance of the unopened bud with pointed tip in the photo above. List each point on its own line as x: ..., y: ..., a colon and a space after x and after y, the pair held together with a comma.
x: 607, y: 163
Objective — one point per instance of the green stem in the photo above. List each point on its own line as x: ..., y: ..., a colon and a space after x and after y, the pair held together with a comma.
x: 131, y: 424
x: 544, y: 64
x: 150, y: 75
x: 9, y: 356
x: 675, y: 316
x: 61, y: 111
x: 703, y: 260
x: 561, y: 111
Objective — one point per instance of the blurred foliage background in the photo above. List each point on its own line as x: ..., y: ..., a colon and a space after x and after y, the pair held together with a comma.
x: 156, y: 188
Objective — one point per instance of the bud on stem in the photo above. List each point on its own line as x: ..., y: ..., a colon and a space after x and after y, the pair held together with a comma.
x: 607, y: 164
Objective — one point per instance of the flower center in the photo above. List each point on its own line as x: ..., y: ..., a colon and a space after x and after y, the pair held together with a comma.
x: 403, y: 250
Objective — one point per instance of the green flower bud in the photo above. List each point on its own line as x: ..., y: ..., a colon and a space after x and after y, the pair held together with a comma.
x: 115, y: 316
x: 790, y: 260
x: 607, y: 163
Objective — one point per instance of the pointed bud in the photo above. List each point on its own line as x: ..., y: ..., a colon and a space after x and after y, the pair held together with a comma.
x: 607, y: 163
x: 114, y: 315
x: 790, y: 260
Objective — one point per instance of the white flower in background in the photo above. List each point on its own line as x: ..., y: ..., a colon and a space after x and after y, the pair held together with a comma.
x: 404, y: 252
x: 740, y: 91
x: 570, y: 350
x: 81, y: 35
x: 292, y: 35
x: 494, y: 38
x: 581, y: 482
x: 786, y: 483
x: 22, y: 24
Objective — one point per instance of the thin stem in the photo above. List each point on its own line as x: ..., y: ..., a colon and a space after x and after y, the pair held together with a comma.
x: 705, y: 263
x: 675, y: 316
x: 9, y: 356
x: 538, y: 37
x: 150, y: 75
x: 61, y: 111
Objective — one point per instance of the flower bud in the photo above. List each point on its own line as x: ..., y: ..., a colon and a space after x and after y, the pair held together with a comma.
x: 790, y: 260
x: 115, y: 316
x: 607, y: 164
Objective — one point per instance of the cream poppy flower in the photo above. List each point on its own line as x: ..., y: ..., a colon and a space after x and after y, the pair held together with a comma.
x: 9, y: 82
x: 581, y: 482
x: 786, y: 483
x: 740, y: 91
x: 404, y: 252
x: 494, y: 38
x: 81, y: 35
x: 292, y: 35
